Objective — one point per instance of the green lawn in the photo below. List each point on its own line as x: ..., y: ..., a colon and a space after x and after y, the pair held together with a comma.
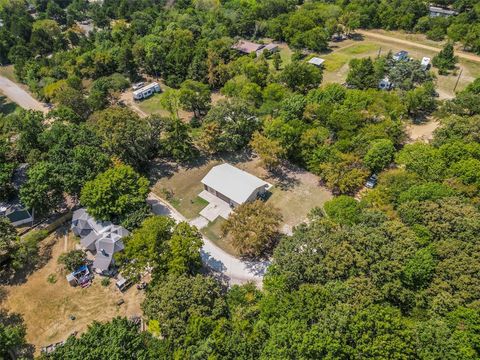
x: 214, y: 232
x: 183, y: 188
x: 153, y: 105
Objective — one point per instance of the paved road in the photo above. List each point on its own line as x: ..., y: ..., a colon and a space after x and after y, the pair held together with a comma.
x: 235, y: 270
x: 460, y: 54
x: 18, y: 95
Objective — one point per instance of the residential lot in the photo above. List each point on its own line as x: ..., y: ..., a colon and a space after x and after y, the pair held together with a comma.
x: 294, y: 192
x: 336, y: 61
x: 47, y: 306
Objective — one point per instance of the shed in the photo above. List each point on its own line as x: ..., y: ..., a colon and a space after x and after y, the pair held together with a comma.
x: 270, y: 47
x: 232, y: 185
x: 316, y: 61
x: 436, y: 11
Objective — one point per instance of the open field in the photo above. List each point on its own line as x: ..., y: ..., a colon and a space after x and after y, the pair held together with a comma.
x: 295, y: 191
x: 338, y: 57
x: 46, y: 306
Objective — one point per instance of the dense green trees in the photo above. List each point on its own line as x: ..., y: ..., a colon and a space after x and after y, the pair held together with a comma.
x: 119, y: 338
x: 162, y: 246
x: 73, y: 259
x: 115, y: 193
x: 445, y: 60
x: 361, y: 74
x: 12, y: 334
x: 125, y: 135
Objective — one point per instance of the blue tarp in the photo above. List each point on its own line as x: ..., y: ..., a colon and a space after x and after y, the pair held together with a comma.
x: 80, y: 270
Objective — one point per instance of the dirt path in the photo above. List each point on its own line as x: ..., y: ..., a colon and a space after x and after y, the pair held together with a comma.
x: 18, y: 95
x: 127, y: 98
x: 460, y: 54
x: 423, y: 132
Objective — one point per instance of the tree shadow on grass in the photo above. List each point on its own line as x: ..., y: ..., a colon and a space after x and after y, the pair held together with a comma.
x: 284, y: 179
x: 6, y: 106
x: 15, y: 320
x: 20, y: 276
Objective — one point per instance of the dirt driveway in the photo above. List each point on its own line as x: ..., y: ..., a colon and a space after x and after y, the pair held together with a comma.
x: 460, y: 54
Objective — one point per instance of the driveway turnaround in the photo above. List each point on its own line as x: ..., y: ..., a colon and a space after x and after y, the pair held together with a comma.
x: 18, y: 95
x: 235, y: 270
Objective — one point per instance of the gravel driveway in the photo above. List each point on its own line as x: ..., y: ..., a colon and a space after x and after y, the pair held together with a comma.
x: 18, y: 95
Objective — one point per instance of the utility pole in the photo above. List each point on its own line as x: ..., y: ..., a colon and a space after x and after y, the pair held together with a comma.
x: 458, y: 79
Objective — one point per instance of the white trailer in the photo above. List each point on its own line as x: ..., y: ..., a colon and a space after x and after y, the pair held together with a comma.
x: 146, y: 91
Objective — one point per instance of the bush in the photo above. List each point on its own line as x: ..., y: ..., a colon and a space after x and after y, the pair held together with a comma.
x: 73, y: 259
x: 52, y: 279
x: 105, y: 281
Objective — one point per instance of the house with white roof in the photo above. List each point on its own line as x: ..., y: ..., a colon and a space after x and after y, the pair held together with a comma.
x: 101, y: 238
x: 226, y: 187
x: 232, y: 185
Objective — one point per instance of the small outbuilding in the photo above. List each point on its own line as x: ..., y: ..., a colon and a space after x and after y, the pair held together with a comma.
x: 425, y: 63
x: 270, y: 47
x: 316, y: 61
x: 16, y: 213
x: 436, y: 11
x: 234, y: 186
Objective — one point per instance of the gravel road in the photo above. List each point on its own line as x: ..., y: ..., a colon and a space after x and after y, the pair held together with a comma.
x: 18, y: 95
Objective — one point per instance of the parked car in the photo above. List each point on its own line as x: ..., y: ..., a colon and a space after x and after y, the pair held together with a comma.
x: 138, y: 85
x: 371, y: 181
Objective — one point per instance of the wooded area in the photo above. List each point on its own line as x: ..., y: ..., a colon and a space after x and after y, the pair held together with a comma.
x: 387, y: 273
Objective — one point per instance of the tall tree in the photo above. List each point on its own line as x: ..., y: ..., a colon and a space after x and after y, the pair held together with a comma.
x: 445, y: 60
x: 115, y: 193
x: 253, y: 228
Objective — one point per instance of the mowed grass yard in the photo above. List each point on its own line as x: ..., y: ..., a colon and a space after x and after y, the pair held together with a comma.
x: 153, y: 105
x: 295, y: 192
x: 46, y: 306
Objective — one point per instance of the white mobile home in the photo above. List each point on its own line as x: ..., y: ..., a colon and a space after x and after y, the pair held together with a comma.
x: 146, y: 91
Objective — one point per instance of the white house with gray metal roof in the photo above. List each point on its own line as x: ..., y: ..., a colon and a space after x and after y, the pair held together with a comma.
x: 232, y: 185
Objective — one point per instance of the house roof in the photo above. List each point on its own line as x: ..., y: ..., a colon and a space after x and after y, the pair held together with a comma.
x: 247, y: 47
x: 440, y: 10
x: 232, y: 182
x: 103, y: 237
x: 316, y: 61
x: 269, y: 47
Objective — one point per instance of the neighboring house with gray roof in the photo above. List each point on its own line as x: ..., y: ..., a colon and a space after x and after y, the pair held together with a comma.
x: 232, y: 185
x: 101, y: 238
